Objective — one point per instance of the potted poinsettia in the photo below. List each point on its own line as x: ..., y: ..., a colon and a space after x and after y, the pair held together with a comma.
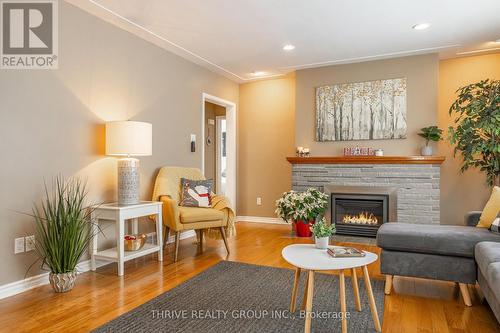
x: 302, y: 209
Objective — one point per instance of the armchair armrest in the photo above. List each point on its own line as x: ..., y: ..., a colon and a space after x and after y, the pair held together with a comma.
x: 171, y: 213
x: 472, y: 218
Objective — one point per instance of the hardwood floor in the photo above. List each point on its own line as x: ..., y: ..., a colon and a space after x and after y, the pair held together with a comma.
x: 415, y: 305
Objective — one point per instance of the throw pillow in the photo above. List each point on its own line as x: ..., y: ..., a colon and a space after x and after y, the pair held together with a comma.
x: 196, y: 193
x: 495, y: 226
x: 491, y: 209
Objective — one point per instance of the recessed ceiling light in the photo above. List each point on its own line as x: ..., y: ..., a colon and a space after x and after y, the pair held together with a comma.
x: 421, y: 26
x: 258, y: 73
x: 288, y: 47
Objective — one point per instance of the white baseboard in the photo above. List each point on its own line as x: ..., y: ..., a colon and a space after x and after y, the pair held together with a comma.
x: 260, y: 219
x: 16, y: 287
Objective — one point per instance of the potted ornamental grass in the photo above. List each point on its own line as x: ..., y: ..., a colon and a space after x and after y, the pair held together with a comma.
x: 63, y: 231
x: 322, y: 232
x: 430, y: 133
x: 302, y: 209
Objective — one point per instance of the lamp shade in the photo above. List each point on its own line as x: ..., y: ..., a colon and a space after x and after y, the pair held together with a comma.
x: 129, y: 138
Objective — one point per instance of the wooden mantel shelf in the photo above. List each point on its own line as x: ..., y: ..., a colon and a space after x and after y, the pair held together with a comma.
x: 366, y: 160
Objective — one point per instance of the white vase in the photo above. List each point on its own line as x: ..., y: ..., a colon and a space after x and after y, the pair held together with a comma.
x: 322, y: 242
x: 426, y: 150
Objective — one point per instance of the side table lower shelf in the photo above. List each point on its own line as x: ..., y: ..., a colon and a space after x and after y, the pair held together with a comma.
x: 112, y: 254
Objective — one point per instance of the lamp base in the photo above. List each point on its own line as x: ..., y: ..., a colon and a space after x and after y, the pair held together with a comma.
x: 128, y: 181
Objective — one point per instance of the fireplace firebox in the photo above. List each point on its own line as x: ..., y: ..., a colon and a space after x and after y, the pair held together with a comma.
x: 359, y: 210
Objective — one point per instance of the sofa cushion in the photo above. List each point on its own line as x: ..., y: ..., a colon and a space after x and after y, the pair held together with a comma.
x: 492, y: 277
x: 197, y: 214
x: 486, y: 253
x: 434, y: 239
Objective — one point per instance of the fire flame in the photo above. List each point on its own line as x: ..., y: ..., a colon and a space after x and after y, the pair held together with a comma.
x: 362, y: 218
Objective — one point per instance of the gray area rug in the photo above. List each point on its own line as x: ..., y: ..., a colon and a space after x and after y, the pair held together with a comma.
x: 237, y: 297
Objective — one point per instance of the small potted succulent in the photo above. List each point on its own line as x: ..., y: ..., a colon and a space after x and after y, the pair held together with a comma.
x: 322, y: 232
x: 431, y: 133
x: 302, y: 209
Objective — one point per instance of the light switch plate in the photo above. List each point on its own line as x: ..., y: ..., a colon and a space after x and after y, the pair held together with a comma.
x: 259, y: 201
x: 19, y: 245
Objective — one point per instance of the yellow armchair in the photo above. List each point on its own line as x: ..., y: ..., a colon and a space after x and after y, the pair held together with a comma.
x: 177, y: 218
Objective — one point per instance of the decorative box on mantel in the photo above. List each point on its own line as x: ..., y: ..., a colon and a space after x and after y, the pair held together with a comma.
x: 414, y: 180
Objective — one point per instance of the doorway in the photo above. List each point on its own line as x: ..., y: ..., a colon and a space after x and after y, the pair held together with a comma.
x: 219, y: 146
x: 215, y: 146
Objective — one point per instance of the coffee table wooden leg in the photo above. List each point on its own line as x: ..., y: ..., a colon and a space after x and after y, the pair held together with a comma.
x: 304, y: 298
x: 342, y: 301
x: 294, y: 290
x: 373, y: 306
x: 354, y: 281
x: 310, y: 293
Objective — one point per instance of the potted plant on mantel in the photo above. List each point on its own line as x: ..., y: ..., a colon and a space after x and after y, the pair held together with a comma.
x: 431, y: 133
x: 322, y: 233
x: 302, y: 209
x: 62, y: 231
x: 476, y: 135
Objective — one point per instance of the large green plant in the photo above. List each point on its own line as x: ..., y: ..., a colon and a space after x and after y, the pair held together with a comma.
x: 63, y: 227
x: 477, y: 133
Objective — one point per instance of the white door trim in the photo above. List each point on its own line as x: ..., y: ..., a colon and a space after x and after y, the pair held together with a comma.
x: 230, y: 144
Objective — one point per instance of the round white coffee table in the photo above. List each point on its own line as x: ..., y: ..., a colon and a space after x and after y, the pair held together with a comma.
x: 306, y: 257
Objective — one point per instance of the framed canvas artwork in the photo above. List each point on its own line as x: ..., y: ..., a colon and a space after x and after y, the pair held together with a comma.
x: 361, y: 111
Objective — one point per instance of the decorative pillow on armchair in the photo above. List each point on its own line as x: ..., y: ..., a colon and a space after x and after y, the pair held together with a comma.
x: 196, y: 193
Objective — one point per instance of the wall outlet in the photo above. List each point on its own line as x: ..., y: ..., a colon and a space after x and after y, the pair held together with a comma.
x: 259, y: 201
x: 19, y: 245
x: 29, y: 243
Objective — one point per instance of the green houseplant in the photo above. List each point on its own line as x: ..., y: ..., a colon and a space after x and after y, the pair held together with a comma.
x: 476, y: 134
x: 322, y: 232
x: 430, y: 133
x: 62, y: 231
x: 301, y: 208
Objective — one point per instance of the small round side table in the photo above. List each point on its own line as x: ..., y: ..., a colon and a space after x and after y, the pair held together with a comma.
x: 306, y: 257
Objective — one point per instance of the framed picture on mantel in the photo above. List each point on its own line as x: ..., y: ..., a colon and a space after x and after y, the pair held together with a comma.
x: 369, y: 110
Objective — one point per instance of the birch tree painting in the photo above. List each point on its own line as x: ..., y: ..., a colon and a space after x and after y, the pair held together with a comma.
x: 361, y: 111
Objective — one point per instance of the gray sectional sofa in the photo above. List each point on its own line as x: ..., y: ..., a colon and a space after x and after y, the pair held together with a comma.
x: 462, y: 254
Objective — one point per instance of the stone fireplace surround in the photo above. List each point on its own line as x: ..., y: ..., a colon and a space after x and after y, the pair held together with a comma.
x: 414, y: 178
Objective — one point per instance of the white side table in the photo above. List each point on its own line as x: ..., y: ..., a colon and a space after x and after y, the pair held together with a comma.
x: 306, y: 257
x: 119, y: 214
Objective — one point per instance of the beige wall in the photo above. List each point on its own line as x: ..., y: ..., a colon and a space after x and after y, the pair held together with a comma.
x: 51, y: 120
x: 265, y: 138
x: 263, y: 133
x: 422, y: 80
x: 468, y: 191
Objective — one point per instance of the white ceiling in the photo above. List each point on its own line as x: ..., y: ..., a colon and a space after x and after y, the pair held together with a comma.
x: 238, y: 37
